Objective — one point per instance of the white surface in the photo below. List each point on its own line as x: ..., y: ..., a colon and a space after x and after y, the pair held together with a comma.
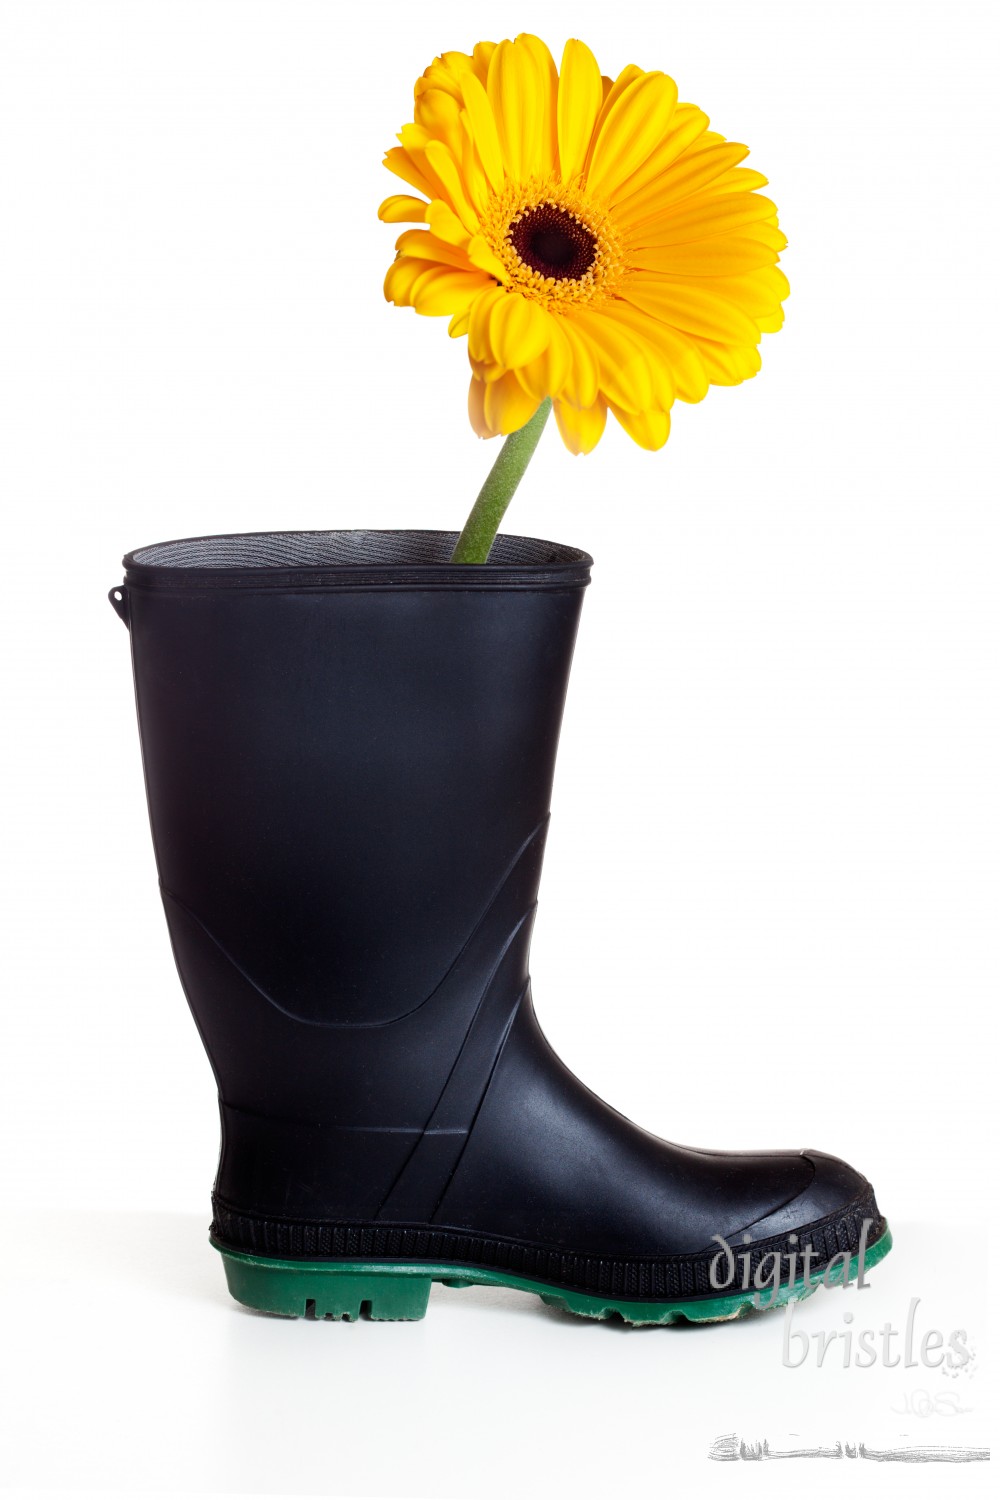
x: 769, y: 909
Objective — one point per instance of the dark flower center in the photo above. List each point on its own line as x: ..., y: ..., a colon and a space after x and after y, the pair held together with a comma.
x: 553, y: 243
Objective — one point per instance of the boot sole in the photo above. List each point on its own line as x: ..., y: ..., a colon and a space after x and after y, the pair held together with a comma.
x: 389, y: 1291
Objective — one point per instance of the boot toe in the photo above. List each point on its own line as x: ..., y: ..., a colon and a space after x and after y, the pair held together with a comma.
x: 834, y: 1185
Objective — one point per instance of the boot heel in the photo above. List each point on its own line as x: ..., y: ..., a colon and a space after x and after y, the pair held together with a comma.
x: 296, y: 1289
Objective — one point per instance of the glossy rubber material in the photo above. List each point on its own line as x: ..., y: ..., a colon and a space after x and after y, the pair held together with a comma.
x: 386, y: 1292
x: 349, y: 748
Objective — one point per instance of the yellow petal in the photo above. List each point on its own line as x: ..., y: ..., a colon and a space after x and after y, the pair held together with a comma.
x: 729, y: 365
x: 484, y: 371
x: 546, y: 143
x: 446, y: 224
x: 580, y: 387
x: 701, y: 217
x: 633, y: 198
x: 763, y: 234
x: 426, y: 246
x: 676, y: 351
x: 623, y: 368
x: 546, y: 375
x: 692, y: 308
x: 519, y: 330
x: 694, y: 170
x: 413, y: 138
x: 579, y: 104
x: 445, y: 72
x: 438, y: 114
x: 445, y: 168
x: 580, y: 427
x: 480, y: 346
x: 401, y: 163
x: 400, y: 209
x: 512, y: 89
x: 459, y: 324
x: 443, y: 291
x: 477, y: 408
x: 400, y: 279
x: 448, y: 70
x: 650, y: 429
x: 483, y: 129
x: 659, y: 366
x: 632, y: 128
x: 767, y: 234
x: 507, y: 406
x: 483, y: 259
x: 725, y: 255
x: 477, y: 184
x: 740, y: 180
x: 612, y: 93
x: 481, y: 54
x: 703, y: 165
x: 760, y: 293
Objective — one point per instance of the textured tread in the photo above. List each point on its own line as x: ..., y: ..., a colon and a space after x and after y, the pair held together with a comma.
x: 383, y: 1291
x: 670, y: 1278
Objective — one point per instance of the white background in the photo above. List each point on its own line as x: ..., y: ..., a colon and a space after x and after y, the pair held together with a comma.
x: 769, y: 909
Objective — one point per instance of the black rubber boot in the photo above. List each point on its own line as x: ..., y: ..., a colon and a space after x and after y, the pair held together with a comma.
x: 349, y: 747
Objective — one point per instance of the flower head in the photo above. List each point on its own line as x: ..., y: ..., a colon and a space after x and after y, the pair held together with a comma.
x: 594, y: 239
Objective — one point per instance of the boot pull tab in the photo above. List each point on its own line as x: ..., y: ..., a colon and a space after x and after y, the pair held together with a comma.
x: 119, y: 601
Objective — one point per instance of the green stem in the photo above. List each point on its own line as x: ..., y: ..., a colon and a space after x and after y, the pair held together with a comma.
x: 473, y: 546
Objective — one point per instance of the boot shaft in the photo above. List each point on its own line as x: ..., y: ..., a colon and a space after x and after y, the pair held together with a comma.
x: 349, y: 749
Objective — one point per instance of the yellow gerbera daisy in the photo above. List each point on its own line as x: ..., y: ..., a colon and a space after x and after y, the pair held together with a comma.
x: 597, y: 243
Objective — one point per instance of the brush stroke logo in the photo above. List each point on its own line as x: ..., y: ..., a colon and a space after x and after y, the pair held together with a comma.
x: 730, y: 1448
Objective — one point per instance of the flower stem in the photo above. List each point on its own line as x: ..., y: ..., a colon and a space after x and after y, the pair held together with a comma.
x: 473, y: 546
